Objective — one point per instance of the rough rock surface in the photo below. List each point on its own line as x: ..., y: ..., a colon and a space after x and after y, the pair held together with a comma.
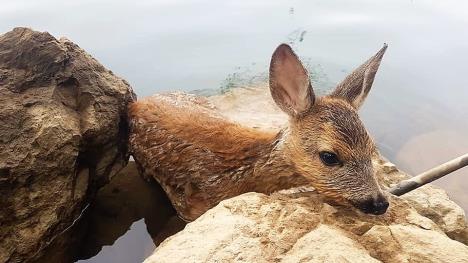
x: 298, y: 226
x: 62, y: 135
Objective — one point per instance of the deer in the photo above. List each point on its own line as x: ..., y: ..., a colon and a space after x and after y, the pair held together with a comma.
x: 200, y: 158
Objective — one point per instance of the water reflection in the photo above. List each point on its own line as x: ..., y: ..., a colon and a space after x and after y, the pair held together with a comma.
x: 127, y: 220
x: 134, y: 246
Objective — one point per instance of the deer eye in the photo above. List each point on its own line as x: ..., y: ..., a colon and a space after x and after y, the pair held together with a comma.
x: 329, y: 159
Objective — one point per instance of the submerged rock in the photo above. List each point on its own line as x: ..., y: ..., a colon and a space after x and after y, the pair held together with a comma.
x: 63, y: 134
x: 299, y: 226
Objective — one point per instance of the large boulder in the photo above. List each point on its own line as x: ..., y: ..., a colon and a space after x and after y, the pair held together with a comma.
x: 63, y: 134
x: 297, y: 225
x: 300, y: 227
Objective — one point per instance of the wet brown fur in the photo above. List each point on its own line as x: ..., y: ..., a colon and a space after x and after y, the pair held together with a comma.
x: 199, y: 158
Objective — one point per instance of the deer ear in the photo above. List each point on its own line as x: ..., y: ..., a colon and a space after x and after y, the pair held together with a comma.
x: 355, y: 87
x: 289, y: 83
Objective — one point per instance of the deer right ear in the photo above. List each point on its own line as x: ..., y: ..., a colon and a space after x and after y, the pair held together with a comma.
x: 355, y: 87
x: 289, y: 83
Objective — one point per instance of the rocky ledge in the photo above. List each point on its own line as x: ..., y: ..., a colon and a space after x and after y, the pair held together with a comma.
x: 298, y: 226
x: 63, y: 134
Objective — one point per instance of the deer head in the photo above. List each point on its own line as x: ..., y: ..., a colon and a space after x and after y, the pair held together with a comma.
x: 326, y: 141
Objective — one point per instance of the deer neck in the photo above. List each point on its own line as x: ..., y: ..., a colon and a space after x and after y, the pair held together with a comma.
x: 274, y: 171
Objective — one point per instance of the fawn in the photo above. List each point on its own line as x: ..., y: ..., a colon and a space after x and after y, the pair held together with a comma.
x: 200, y: 158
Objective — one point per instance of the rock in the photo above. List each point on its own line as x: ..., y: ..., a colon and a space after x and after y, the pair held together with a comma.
x: 63, y: 134
x: 413, y: 245
x: 435, y: 204
x: 326, y: 244
x: 429, y: 201
x: 298, y: 226
x: 242, y: 105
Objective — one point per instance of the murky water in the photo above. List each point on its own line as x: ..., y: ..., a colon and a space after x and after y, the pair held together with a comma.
x: 128, y: 219
x: 417, y: 110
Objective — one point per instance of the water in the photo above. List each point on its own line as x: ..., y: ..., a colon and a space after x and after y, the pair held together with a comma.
x: 129, y: 217
x: 417, y: 110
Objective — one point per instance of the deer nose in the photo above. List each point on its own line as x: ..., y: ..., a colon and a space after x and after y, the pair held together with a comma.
x: 375, y: 206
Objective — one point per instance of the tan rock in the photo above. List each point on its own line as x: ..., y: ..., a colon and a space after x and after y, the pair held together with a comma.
x: 403, y: 243
x: 434, y: 203
x: 327, y: 244
x: 251, y: 106
x: 302, y: 227
x: 63, y: 134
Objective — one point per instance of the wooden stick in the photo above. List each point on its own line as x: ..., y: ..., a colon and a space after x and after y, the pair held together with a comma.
x: 428, y: 176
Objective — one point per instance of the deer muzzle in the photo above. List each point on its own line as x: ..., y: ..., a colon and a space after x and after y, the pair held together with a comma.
x: 373, y: 205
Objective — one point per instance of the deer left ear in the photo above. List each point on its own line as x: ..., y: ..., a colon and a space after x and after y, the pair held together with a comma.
x: 355, y: 87
x: 289, y: 82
